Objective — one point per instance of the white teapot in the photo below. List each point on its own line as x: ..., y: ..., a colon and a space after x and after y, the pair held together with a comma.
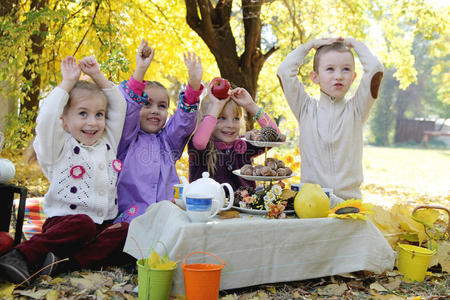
x: 206, y: 186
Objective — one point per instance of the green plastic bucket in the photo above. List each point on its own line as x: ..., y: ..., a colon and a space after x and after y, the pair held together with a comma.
x: 153, y: 284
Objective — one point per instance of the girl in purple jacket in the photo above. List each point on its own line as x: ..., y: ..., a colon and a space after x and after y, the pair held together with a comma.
x: 149, y: 146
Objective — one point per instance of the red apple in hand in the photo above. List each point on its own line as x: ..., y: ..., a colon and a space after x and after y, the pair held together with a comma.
x: 6, y: 242
x: 220, y: 88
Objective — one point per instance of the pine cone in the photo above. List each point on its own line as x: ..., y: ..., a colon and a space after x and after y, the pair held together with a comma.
x: 269, y: 134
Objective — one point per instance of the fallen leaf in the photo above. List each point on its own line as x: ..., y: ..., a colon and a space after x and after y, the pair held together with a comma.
x: 378, y: 287
x: 387, y: 297
x: 393, y: 283
x: 271, y: 289
x: 34, y: 294
x: 393, y: 273
x: 57, y: 280
x: 52, y: 295
x: 229, y: 214
x: 427, y: 216
x: 296, y: 295
x: 333, y: 289
x: 262, y: 295
x: 6, y: 290
x: 443, y: 255
x: 100, y: 295
x: 355, y: 284
x: 82, y: 283
x: 228, y: 297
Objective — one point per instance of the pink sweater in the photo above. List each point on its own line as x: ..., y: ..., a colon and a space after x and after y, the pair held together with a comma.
x: 206, y: 127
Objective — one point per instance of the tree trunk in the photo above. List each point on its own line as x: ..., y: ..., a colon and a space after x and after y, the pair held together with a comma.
x: 213, y: 26
x: 32, y: 90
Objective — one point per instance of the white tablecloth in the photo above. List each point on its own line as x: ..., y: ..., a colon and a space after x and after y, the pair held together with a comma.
x: 258, y: 250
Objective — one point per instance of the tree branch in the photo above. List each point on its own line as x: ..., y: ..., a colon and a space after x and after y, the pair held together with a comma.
x: 89, y: 27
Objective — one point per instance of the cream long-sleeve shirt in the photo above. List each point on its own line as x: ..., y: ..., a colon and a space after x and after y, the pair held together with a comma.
x: 60, y: 157
x: 331, y: 130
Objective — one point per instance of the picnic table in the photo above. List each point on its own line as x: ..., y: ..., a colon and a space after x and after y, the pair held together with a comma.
x: 427, y: 134
x: 258, y: 250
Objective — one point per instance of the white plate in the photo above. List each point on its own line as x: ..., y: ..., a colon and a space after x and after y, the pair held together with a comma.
x: 262, y: 178
x: 258, y: 211
x: 263, y: 144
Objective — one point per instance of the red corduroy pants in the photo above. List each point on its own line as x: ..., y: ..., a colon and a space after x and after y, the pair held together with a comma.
x: 77, y: 237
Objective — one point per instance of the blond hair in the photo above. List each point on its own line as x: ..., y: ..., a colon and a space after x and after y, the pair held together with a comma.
x: 83, y: 86
x: 336, y: 46
x: 211, y: 151
x: 80, y: 86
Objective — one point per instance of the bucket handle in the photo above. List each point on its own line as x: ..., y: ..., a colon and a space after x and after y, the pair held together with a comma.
x: 196, y: 252
x: 156, y: 243
x: 435, y: 207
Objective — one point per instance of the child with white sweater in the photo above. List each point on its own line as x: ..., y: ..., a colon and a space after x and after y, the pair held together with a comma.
x: 331, y: 127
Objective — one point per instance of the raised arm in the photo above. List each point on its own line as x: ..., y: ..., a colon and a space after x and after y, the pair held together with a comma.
x: 91, y: 68
x: 370, y: 82
x: 144, y: 58
x: 205, y: 128
x: 244, y: 99
x: 293, y: 89
x: 116, y: 102
x: 50, y: 134
x: 372, y: 66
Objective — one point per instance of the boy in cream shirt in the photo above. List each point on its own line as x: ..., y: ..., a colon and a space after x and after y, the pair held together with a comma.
x: 331, y: 127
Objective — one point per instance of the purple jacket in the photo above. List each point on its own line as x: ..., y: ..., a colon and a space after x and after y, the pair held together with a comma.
x: 148, y: 172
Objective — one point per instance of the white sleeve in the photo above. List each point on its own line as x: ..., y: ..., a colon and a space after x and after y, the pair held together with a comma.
x: 293, y: 89
x: 50, y: 134
x: 117, y: 108
x: 371, y: 66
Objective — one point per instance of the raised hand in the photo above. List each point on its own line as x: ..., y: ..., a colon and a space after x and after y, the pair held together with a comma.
x: 195, y: 69
x: 349, y: 42
x: 317, y: 43
x: 70, y: 71
x: 144, y: 55
x: 216, y: 105
x: 244, y: 99
x: 90, y: 66
x: 144, y: 58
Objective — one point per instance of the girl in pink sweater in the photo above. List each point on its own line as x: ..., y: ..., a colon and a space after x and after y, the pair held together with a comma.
x: 216, y: 146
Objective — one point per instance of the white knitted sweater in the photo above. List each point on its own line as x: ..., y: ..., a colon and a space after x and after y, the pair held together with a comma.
x: 59, y: 154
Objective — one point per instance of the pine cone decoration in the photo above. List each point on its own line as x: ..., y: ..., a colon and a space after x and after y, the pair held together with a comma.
x: 268, y: 134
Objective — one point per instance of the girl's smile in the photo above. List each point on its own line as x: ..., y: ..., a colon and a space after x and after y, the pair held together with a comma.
x: 228, y: 125
x: 153, y: 115
x: 85, y: 118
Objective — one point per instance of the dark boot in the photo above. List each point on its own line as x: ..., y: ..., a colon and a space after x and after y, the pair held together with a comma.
x: 52, y: 268
x: 14, y: 267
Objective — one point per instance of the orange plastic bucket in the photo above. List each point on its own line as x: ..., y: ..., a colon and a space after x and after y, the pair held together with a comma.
x: 202, y: 280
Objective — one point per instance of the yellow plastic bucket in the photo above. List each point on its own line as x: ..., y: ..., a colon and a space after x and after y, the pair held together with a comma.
x: 413, y: 261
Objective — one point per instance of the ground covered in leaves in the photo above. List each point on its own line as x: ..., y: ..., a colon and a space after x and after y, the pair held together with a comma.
x: 119, y: 283
x: 408, y: 177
